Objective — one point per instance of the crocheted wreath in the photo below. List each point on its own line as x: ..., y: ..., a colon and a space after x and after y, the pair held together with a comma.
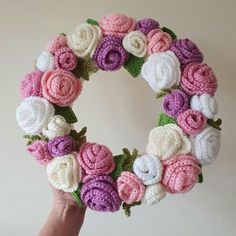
x: 186, y: 138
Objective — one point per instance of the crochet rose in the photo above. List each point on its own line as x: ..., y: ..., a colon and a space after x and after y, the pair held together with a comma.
x: 153, y: 194
x: 158, y: 41
x: 64, y: 173
x: 56, y: 43
x: 192, y: 122
x: 83, y: 41
x: 161, y: 70
x: 206, y: 104
x: 148, y: 168
x: 55, y: 127
x: 198, y: 79
x: 33, y: 114
x: 31, y: 85
x: 146, y: 25
x: 45, y: 61
x: 166, y: 141
x: 65, y: 59
x: 61, y: 87
x: 135, y: 43
x: 206, y: 145
x: 130, y: 188
x: 61, y: 145
x: 175, y: 103
x: 180, y: 173
x: 117, y: 24
x: 39, y: 150
x: 100, y: 194
x: 95, y: 159
x: 187, y: 52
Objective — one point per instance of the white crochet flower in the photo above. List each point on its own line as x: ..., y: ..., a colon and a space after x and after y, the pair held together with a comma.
x: 153, y: 194
x: 45, y: 61
x: 206, y: 104
x: 148, y: 168
x: 162, y: 70
x: 57, y: 126
x: 33, y: 114
x: 135, y: 43
x: 168, y: 140
x: 206, y: 145
x: 84, y: 40
x: 64, y: 173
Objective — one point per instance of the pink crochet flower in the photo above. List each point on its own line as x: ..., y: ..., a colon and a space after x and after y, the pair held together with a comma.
x: 56, y: 42
x: 117, y: 24
x: 198, y: 78
x: 39, y: 150
x: 180, y: 173
x: 158, y: 41
x: 61, y: 87
x: 95, y: 159
x: 191, y: 122
x: 130, y: 187
x: 31, y: 85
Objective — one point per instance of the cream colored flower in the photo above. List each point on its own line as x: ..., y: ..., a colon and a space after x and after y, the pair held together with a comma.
x: 45, y: 61
x: 153, y: 194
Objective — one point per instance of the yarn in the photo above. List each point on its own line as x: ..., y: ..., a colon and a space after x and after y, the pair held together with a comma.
x: 45, y: 61
x: 180, y: 173
x: 56, y: 43
x: 167, y: 141
x: 100, y: 194
x: 33, y: 114
x: 192, y: 122
x: 148, y: 168
x: 206, y: 145
x: 198, y: 79
x: 153, y: 194
x: 110, y: 54
x: 31, y: 85
x: 161, y: 70
x: 146, y: 25
x: 165, y: 119
x: 130, y: 188
x: 61, y: 87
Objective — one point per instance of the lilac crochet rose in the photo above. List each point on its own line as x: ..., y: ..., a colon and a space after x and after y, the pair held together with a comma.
x: 146, y: 25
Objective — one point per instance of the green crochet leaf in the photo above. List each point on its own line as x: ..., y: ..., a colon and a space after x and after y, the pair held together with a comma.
x: 134, y: 65
x: 119, y: 161
x: 79, y: 137
x: 76, y: 196
x: 165, y: 119
x: 129, y: 160
x: 215, y: 123
x: 92, y: 22
x: 200, y: 178
x: 126, y: 207
x: 67, y: 113
x: 170, y: 32
x: 32, y: 138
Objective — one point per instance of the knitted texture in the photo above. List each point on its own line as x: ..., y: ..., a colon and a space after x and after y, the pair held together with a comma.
x: 175, y: 103
x: 84, y: 39
x: 206, y: 145
x: 110, y: 54
x: 148, y: 168
x: 56, y: 43
x: 161, y: 70
x: 100, y: 194
x: 198, y: 79
x: 95, y: 159
x: 61, y: 87
x: 117, y: 24
x: 45, y: 61
x: 64, y: 173
x: 206, y: 104
x: 146, y: 25
x: 153, y: 194
x: 65, y: 59
x: 165, y: 119
x: 166, y: 141
x: 191, y: 122
x: 158, y: 41
x: 130, y: 187
x: 33, y: 114
x: 187, y: 52
x: 31, y: 85
x: 61, y: 146
x: 39, y: 150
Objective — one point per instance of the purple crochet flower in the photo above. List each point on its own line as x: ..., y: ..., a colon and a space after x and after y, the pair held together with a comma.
x: 61, y: 146
x: 100, y: 194
x: 176, y: 103
x: 186, y: 51
x: 146, y: 25
x: 110, y: 54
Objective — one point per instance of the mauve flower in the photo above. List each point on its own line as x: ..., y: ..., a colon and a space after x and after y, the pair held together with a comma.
x: 146, y: 25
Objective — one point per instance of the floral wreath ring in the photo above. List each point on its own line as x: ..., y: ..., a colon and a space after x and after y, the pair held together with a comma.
x: 186, y: 137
